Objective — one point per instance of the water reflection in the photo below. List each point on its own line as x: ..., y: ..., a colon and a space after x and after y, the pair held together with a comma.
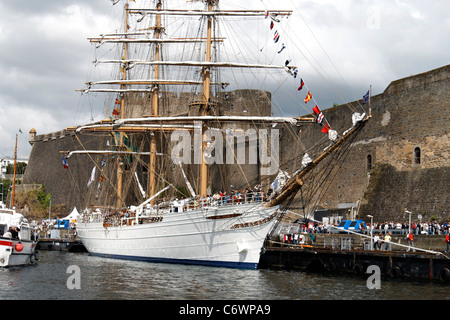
x: 111, y: 279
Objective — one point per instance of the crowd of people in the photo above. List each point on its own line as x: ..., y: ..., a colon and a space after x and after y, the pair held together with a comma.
x: 246, y: 195
x: 12, y: 233
x: 298, y: 238
x: 382, y: 233
x: 430, y: 228
x: 305, y: 235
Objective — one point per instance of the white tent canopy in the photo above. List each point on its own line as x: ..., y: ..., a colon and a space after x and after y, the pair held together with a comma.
x: 72, y: 216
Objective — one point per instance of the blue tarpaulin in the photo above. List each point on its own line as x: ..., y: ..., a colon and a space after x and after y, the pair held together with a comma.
x: 62, y: 224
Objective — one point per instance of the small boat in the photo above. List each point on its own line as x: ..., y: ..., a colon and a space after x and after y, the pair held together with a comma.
x: 17, y: 246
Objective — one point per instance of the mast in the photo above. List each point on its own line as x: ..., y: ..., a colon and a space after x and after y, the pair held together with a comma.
x: 155, y: 110
x: 122, y: 116
x: 206, y: 101
x: 125, y: 85
x: 14, y: 180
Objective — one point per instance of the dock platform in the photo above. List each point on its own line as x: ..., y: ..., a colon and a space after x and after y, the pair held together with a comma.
x: 355, y: 259
x: 71, y: 245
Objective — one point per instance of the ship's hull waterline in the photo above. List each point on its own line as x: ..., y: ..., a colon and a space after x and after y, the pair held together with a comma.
x: 229, y: 236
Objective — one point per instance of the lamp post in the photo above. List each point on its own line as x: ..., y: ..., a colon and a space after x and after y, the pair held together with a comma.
x: 371, y: 231
x: 49, y: 209
x: 409, y: 225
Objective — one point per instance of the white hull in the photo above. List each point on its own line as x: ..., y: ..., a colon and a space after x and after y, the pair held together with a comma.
x: 11, y: 257
x: 16, y: 250
x: 207, y: 237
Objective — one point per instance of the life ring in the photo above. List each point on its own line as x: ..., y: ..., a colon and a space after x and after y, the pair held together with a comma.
x: 444, y: 275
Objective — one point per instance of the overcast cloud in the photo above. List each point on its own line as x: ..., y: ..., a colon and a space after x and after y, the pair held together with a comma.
x: 341, y: 47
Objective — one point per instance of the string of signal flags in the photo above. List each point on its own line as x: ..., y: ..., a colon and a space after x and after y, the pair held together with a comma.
x: 293, y: 71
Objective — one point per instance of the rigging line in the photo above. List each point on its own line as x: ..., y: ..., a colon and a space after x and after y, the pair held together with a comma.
x: 282, y: 214
x: 339, y: 157
x: 324, y: 175
x: 161, y: 176
x: 95, y: 163
x: 280, y: 84
x: 322, y: 74
x: 129, y: 180
x: 235, y: 48
x: 132, y: 162
x: 318, y: 142
x: 315, y: 178
x: 236, y: 53
x: 344, y: 99
x: 254, y: 74
x: 74, y: 184
x: 323, y: 49
x: 289, y: 92
x: 280, y: 79
x: 288, y: 49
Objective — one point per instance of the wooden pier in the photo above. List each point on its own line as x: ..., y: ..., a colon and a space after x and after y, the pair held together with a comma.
x: 71, y: 245
x: 396, y: 263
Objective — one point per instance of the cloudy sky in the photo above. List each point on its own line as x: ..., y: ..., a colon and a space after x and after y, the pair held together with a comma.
x: 341, y: 47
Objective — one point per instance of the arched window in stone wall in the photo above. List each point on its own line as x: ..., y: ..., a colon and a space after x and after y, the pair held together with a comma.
x: 417, y: 156
x: 369, y: 163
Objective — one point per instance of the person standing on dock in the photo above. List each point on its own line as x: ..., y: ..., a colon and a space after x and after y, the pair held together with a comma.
x: 447, y: 239
x: 312, y: 236
x: 410, y: 238
x: 376, y: 242
x: 387, y: 240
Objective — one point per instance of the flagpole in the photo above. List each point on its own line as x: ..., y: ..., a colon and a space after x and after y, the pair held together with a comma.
x: 14, y: 179
x: 370, y: 102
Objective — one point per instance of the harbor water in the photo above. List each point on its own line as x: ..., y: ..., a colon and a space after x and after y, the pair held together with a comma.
x: 60, y: 275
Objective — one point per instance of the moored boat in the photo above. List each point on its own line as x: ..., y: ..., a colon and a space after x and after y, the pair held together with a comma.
x: 212, y: 235
x: 203, y: 229
x: 17, y: 246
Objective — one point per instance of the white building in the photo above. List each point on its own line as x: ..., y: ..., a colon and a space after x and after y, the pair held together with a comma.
x: 4, y: 162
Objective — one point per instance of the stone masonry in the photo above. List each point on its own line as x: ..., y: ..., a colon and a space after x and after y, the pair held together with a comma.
x: 399, y: 160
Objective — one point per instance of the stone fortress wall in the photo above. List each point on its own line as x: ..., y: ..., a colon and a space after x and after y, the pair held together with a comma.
x: 400, y: 159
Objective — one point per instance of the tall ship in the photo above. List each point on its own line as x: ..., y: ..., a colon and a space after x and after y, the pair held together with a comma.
x: 160, y: 131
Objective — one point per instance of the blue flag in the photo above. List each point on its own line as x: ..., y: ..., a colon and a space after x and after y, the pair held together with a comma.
x: 366, y: 97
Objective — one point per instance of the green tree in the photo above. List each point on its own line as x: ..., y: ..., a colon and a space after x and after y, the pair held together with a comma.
x: 43, y: 197
x: 20, y: 168
x: 5, y: 186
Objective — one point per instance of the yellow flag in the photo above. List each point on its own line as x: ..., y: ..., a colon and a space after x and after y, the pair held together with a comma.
x: 308, y: 97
